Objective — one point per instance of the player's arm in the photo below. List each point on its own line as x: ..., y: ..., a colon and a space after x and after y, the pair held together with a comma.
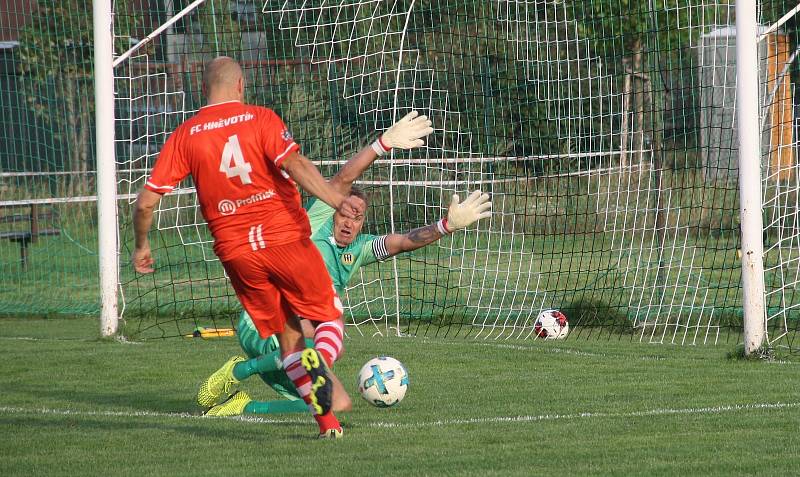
x: 170, y: 168
x: 460, y: 215
x: 407, y: 133
x: 146, y: 203
x: 306, y: 174
x: 412, y: 240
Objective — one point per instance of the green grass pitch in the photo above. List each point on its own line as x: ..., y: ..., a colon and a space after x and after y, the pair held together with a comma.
x: 73, y: 404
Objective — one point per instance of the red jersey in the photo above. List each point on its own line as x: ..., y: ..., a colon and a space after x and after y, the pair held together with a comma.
x: 233, y: 152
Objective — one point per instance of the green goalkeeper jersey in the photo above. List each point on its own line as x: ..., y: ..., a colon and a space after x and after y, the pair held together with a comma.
x: 342, y: 262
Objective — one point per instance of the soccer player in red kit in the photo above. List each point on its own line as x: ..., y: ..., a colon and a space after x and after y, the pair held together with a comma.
x: 245, y: 164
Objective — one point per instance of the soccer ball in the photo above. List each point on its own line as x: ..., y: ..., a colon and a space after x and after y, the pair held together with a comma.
x: 383, y: 381
x: 551, y: 325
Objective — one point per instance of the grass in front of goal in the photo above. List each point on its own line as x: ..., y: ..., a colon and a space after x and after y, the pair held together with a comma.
x: 77, y: 405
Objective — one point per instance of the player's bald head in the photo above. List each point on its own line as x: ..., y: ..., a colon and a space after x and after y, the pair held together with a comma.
x: 221, y: 74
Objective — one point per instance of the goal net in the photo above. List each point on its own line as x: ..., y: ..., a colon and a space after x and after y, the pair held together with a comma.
x: 48, y: 225
x: 604, y: 131
x: 607, y: 138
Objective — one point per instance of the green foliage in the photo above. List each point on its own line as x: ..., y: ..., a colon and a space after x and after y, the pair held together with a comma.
x: 615, y: 28
x: 57, y: 46
x: 310, y: 114
x: 57, y: 41
x: 472, y: 49
x: 773, y: 10
x: 219, y: 28
x: 57, y: 64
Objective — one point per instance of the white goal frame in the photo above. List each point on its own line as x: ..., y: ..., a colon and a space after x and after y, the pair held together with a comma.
x: 750, y: 196
x: 750, y: 186
x: 108, y: 240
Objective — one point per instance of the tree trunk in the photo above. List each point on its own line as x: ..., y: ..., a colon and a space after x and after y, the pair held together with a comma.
x: 638, y: 106
x: 623, y: 133
x: 76, y: 100
x: 84, y: 143
x: 71, y: 135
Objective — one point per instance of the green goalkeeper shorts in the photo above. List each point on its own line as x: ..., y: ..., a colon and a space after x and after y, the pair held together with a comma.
x: 254, y: 346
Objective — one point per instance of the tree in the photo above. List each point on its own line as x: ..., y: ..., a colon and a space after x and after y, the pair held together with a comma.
x: 57, y: 68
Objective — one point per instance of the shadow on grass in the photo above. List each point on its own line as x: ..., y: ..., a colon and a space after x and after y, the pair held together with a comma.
x: 138, y: 401
x: 56, y: 423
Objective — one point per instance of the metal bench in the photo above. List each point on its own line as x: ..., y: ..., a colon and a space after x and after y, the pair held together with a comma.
x: 31, y: 231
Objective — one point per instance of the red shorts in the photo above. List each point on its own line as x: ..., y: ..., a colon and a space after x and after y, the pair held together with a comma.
x: 277, y: 282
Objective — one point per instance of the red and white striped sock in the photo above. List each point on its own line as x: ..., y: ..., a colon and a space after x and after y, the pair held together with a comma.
x: 328, y: 340
x: 302, y: 381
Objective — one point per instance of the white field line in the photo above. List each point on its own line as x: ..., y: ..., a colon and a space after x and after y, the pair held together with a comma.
x: 543, y: 349
x: 722, y: 409
x: 67, y: 340
x: 555, y: 350
x: 519, y: 347
x: 171, y: 415
x: 32, y: 338
x: 590, y: 415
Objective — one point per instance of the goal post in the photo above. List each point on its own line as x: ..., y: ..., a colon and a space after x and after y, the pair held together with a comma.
x: 750, y: 174
x: 105, y: 120
x: 108, y: 250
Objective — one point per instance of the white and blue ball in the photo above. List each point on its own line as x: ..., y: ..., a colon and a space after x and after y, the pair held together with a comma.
x: 383, y: 381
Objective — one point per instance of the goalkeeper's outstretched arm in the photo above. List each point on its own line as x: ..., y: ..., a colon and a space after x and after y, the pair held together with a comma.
x: 460, y: 215
x: 407, y: 133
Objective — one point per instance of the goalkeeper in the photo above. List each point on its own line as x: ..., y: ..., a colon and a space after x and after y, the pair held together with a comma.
x: 344, y: 249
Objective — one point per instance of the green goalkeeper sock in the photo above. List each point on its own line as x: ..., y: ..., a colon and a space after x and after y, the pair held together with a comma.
x: 262, y: 364
x: 275, y: 407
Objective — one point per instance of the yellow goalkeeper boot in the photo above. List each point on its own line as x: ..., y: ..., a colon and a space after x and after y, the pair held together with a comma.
x: 234, y: 406
x: 220, y: 385
x: 331, y: 434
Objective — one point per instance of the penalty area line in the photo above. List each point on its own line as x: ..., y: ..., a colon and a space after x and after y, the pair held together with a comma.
x: 575, y: 352
x: 62, y: 340
x: 172, y: 415
x: 722, y: 409
x: 589, y: 415
x: 119, y: 340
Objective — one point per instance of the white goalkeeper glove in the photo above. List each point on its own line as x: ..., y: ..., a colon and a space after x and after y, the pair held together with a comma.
x: 406, y: 133
x: 474, y: 208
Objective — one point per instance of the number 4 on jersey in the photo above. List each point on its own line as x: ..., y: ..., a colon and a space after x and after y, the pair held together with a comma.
x: 233, y: 163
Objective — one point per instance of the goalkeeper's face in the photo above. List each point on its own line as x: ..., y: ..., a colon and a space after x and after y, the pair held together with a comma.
x: 346, y: 230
